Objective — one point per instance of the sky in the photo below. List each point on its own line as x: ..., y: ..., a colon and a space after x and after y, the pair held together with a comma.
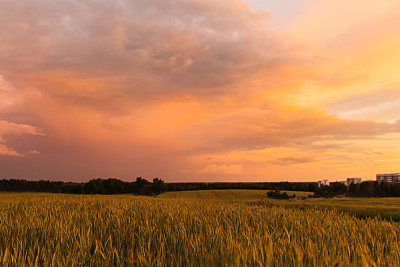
x: 199, y: 90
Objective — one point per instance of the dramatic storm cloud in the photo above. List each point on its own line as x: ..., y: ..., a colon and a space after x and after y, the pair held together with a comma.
x: 196, y: 90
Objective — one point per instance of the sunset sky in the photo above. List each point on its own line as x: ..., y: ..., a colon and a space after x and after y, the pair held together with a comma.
x: 199, y: 90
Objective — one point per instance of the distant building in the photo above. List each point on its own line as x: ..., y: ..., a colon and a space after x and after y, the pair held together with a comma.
x: 388, y: 178
x: 350, y: 181
x: 323, y: 183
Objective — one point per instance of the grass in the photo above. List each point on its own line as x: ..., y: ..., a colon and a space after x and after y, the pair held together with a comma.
x: 227, y: 194
x: 73, y: 230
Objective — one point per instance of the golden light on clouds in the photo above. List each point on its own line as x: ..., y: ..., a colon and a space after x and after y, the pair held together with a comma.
x: 198, y: 90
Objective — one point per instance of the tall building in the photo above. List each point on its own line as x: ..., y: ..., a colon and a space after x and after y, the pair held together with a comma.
x: 323, y: 183
x: 350, y: 181
x: 388, y: 178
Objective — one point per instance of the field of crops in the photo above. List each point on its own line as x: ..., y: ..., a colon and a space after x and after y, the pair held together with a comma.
x: 73, y: 230
x: 386, y: 208
x: 228, y: 194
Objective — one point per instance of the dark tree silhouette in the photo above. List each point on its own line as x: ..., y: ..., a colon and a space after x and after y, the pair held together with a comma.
x: 158, y: 186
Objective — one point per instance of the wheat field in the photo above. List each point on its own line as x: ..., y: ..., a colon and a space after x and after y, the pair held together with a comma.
x: 228, y: 194
x: 78, y: 230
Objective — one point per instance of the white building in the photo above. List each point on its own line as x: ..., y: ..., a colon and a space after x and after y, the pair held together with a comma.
x: 350, y: 181
x: 388, y: 178
x: 323, y: 183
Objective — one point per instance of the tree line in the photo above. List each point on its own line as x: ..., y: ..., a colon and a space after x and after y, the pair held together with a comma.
x: 374, y: 189
x: 95, y: 186
x: 139, y: 187
x: 364, y: 189
x: 334, y: 189
x: 143, y: 187
x: 288, y: 186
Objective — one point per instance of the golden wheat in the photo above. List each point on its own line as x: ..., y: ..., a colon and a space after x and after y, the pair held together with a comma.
x: 71, y: 230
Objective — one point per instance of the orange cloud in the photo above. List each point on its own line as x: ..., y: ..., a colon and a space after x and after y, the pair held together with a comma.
x: 323, y: 20
x: 218, y: 169
x: 186, y: 89
x: 7, y: 129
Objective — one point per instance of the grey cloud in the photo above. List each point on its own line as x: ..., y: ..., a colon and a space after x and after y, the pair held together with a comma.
x: 142, y: 49
x: 292, y: 160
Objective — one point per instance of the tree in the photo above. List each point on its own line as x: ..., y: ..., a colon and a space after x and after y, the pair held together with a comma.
x: 158, y: 186
x: 277, y: 194
x: 95, y: 186
x: 140, y: 186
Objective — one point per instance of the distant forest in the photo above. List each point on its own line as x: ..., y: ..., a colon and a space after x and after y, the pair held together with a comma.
x: 143, y: 187
x: 139, y: 187
x: 374, y: 189
x: 364, y: 189
x: 289, y: 186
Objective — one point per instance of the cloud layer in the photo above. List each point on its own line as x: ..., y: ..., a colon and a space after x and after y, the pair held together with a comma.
x: 177, y: 89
